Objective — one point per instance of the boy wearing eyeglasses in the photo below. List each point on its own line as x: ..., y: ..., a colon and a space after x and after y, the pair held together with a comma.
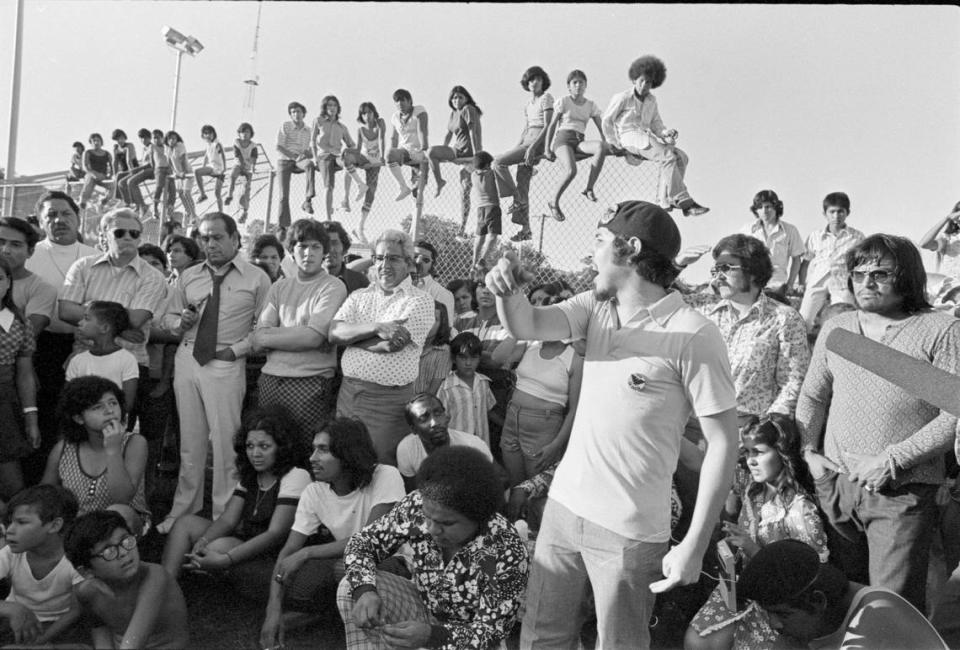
x: 40, y: 607
x: 132, y: 604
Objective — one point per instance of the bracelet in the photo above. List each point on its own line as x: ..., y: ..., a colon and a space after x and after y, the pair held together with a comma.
x: 29, y: 409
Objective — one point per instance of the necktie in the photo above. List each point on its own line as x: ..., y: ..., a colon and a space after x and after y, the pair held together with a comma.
x: 205, y: 344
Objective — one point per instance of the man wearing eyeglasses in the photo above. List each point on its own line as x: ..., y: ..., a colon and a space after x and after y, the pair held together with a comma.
x: 766, y: 340
x: 383, y: 327
x: 875, y: 451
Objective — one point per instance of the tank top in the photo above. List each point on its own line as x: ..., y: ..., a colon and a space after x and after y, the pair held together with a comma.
x: 120, y: 159
x: 371, y: 146
x: 545, y: 378
x: 91, y: 491
x: 99, y: 163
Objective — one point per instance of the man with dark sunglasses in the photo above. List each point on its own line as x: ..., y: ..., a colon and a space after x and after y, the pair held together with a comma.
x: 875, y: 451
x: 119, y: 275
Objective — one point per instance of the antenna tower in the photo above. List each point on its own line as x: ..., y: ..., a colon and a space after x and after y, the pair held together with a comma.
x: 253, y: 79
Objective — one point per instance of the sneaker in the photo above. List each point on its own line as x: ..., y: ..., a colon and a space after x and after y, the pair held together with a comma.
x: 691, y: 208
x: 523, y: 235
x: 228, y: 200
x: 307, y: 206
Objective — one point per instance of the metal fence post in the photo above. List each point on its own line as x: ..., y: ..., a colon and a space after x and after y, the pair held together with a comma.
x: 266, y: 219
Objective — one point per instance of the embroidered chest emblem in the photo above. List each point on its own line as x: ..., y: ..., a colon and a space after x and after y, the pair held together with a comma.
x: 636, y: 381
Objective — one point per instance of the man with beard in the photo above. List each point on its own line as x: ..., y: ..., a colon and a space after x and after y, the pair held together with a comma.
x: 383, y: 328
x: 650, y: 362
x: 429, y: 431
x: 888, y: 445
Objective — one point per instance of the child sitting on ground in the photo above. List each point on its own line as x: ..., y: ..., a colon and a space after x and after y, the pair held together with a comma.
x: 466, y: 393
x: 102, y: 322
x: 489, y: 217
x: 133, y: 604
x: 41, y: 606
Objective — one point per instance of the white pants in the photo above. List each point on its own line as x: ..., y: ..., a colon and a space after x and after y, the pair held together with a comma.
x: 209, y: 399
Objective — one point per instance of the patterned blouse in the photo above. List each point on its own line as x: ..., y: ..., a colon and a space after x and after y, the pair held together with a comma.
x: 768, y: 351
x: 92, y: 491
x: 475, y: 596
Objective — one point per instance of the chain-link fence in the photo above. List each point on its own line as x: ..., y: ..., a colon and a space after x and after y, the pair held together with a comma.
x: 555, y: 251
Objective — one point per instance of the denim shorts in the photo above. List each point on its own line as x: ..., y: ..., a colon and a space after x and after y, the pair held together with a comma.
x: 529, y: 430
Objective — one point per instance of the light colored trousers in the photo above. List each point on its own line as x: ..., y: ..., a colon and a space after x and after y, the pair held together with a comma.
x: 673, y: 165
x: 573, y: 555
x: 209, y: 399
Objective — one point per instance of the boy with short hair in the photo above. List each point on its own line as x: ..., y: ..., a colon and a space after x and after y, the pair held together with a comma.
x: 245, y: 152
x: 489, y: 216
x: 466, y: 393
x: 823, y: 271
x: 40, y: 606
x: 134, y: 604
x: 162, y: 174
x: 102, y: 323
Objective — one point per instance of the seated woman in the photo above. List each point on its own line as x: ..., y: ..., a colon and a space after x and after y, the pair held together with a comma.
x: 351, y: 490
x: 97, y: 458
x: 270, y: 460
x: 777, y: 506
x: 469, y: 563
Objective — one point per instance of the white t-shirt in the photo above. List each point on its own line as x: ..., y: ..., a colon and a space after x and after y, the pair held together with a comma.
x: 118, y: 366
x: 48, y: 598
x: 51, y: 262
x: 411, y: 452
x: 575, y: 116
x: 345, y: 515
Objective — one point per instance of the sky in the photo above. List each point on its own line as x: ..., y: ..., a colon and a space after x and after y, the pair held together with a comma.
x: 801, y: 99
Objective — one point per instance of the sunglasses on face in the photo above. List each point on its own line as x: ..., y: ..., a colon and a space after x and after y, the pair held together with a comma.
x: 724, y: 268
x: 120, y: 233
x: 880, y: 276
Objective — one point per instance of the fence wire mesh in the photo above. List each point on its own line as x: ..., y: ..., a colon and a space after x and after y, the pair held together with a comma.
x: 556, y: 250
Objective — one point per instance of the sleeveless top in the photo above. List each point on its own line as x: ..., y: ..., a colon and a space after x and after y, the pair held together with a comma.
x: 91, y: 491
x: 371, y: 146
x: 99, y: 163
x: 120, y: 159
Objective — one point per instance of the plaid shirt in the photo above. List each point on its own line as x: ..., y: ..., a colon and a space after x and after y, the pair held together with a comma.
x: 475, y: 596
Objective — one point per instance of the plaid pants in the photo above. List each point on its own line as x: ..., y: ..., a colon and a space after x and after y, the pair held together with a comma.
x: 399, y: 601
x: 309, y: 399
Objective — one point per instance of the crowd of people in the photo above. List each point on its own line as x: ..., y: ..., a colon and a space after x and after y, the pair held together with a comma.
x: 442, y: 463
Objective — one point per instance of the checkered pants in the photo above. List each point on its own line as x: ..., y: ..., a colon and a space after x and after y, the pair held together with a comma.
x: 399, y: 601
x: 309, y: 399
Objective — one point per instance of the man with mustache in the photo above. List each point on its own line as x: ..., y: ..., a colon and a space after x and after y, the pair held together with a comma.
x: 876, y: 452
x: 428, y: 422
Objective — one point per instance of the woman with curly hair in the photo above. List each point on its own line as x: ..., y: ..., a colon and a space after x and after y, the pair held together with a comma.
x: 538, y: 113
x: 270, y: 463
x: 469, y: 565
x: 777, y: 506
x: 464, y: 129
x: 350, y: 489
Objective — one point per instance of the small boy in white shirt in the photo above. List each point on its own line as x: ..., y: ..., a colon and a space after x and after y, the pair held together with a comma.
x: 102, y: 322
x: 41, y: 605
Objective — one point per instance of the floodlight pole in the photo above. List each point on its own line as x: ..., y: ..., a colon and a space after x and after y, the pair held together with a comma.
x: 15, y: 95
x: 176, y: 92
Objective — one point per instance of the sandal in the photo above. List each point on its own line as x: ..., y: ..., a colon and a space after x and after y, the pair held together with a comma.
x: 555, y: 212
x: 589, y: 194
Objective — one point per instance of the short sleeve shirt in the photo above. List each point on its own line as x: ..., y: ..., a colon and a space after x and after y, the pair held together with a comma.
x: 372, y: 305
x: 575, y: 117
x: 642, y: 380
x: 535, y: 111
x: 16, y: 338
x: 345, y: 515
x: 783, y: 241
x: 48, y: 598
x: 118, y: 367
x: 407, y: 134
x: 411, y: 452
x: 460, y: 124
x: 34, y: 295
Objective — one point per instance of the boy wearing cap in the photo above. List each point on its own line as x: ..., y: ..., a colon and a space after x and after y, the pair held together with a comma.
x: 650, y: 362
x: 815, y: 605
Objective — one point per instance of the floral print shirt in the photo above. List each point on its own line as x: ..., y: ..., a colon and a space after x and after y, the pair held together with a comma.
x: 475, y: 596
x: 768, y: 351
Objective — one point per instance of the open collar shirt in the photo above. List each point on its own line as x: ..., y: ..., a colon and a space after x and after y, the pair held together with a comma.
x: 243, y: 295
x: 136, y: 285
x: 768, y: 351
x: 373, y: 305
x: 827, y: 253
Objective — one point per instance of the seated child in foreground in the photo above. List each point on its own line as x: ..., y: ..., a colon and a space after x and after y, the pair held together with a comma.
x: 40, y: 606
x: 132, y: 604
